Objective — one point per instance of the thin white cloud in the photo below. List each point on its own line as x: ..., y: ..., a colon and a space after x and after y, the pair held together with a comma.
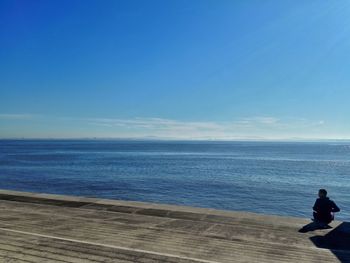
x: 261, y: 120
x: 25, y: 116
x: 256, y: 127
x: 252, y: 127
x: 155, y: 123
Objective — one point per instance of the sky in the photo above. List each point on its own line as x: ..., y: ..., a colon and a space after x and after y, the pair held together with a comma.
x: 177, y: 69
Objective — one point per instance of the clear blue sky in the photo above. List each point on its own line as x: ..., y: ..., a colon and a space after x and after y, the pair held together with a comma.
x: 175, y: 69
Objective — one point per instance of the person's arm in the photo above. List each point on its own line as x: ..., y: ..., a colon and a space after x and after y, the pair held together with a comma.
x: 335, y: 208
x: 315, y: 207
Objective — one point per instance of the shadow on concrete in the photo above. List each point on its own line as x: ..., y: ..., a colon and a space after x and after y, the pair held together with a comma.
x: 312, y: 227
x: 337, y: 241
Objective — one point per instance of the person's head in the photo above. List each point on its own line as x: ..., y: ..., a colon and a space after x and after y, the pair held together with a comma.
x: 322, y: 193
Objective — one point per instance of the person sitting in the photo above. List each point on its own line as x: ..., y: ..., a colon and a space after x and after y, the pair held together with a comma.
x: 324, y: 209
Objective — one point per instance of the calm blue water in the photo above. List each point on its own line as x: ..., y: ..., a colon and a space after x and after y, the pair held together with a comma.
x: 264, y: 177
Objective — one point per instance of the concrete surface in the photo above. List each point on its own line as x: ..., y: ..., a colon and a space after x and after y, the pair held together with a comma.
x: 52, y: 228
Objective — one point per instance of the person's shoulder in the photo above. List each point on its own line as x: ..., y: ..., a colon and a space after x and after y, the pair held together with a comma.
x: 331, y: 201
x: 323, y: 201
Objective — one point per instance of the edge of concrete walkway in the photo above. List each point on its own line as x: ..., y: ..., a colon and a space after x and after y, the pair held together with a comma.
x: 143, y: 208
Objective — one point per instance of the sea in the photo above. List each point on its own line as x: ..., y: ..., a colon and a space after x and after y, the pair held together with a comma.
x: 280, y: 178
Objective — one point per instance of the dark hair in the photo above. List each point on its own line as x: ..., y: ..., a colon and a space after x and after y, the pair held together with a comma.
x: 323, y: 191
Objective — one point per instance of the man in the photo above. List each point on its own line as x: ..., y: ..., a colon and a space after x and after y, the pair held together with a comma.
x: 324, y: 209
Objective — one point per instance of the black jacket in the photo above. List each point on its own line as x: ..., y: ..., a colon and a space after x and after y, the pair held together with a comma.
x: 324, y: 207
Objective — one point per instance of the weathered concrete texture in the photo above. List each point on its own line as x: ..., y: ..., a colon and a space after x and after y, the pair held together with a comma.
x: 51, y: 228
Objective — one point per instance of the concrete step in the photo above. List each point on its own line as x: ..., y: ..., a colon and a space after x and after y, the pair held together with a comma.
x: 74, y: 229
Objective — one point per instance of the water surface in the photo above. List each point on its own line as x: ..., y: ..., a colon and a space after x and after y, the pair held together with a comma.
x: 266, y: 177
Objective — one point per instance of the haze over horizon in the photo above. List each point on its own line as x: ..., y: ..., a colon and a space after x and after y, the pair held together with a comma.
x: 212, y: 70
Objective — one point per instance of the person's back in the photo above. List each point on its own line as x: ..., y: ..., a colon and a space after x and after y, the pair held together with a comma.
x: 324, y: 208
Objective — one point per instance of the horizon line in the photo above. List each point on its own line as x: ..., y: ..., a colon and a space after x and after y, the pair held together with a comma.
x: 179, y: 139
